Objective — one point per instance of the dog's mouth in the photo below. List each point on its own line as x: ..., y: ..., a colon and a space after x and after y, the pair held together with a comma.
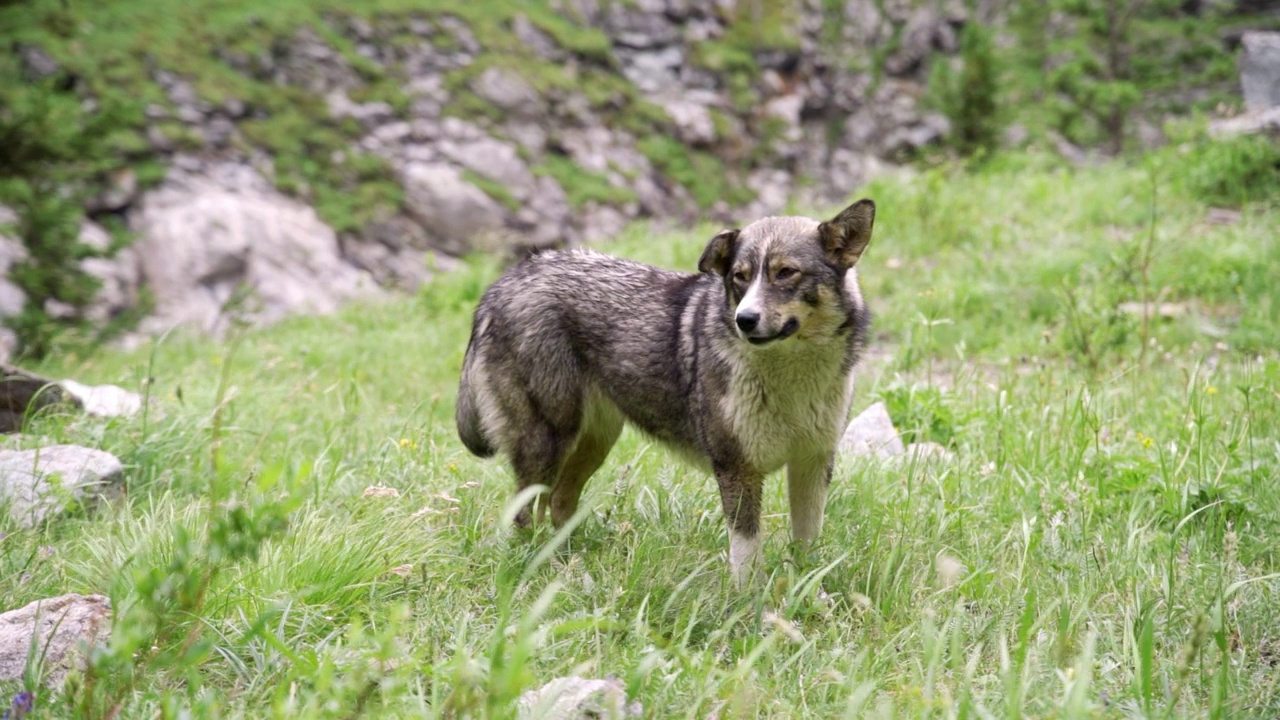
x: 789, y: 328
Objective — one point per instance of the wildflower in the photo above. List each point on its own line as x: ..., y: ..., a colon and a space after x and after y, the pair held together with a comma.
x: 949, y: 570
x: 23, y: 703
x: 1146, y: 440
x: 1211, y: 390
x: 407, y: 444
x: 784, y: 627
x: 380, y: 491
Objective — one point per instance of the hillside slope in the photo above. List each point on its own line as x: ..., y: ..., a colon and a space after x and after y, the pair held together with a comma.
x: 421, y: 130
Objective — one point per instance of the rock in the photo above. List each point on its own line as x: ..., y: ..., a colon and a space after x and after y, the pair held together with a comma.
x: 692, y: 120
x: 36, y: 63
x: 865, y: 27
x: 1069, y: 151
x: 461, y: 32
x: 392, y: 133
x: 601, y: 222
x: 921, y: 452
x: 37, y: 484
x: 578, y: 698
x: 121, y: 191
x: 395, y: 252
x: 12, y: 299
x: 927, y: 130
x: 494, y: 160
x: 924, y: 31
x: 203, y: 239
x: 772, y: 188
x: 551, y: 214
x: 1223, y: 216
x: 23, y: 393
x: 539, y: 42
x: 872, y: 434
x: 652, y: 71
x: 507, y: 91
x: 369, y: 115
x: 63, y: 628
x: 848, y: 170
x: 1164, y: 310
x: 639, y: 25
x: 1260, y: 70
x: 1015, y: 135
x: 1250, y: 123
x: 310, y: 64
x: 103, y: 400
x: 456, y: 214
x: 119, y: 275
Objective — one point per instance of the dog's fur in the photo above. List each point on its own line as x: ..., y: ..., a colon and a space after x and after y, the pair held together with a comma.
x: 568, y: 345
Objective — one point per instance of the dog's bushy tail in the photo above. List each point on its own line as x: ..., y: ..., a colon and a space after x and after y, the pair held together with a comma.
x: 467, y: 414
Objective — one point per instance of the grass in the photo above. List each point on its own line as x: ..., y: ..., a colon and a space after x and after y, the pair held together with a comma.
x: 582, y: 186
x: 1102, y: 544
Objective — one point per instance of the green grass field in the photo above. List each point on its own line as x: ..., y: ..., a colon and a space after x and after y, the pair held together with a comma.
x: 1104, y: 543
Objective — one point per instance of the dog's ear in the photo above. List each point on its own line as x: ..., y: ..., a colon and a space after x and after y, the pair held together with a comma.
x: 715, y: 259
x: 845, y: 236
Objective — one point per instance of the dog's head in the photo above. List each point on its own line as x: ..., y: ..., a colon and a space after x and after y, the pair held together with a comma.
x: 791, y: 276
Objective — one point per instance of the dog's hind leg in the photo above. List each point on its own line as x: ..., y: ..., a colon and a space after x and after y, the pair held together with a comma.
x: 807, y: 483
x: 543, y: 421
x: 537, y: 460
x: 600, y: 429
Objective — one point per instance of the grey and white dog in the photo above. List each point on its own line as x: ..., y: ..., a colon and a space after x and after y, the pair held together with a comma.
x: 743, y: 368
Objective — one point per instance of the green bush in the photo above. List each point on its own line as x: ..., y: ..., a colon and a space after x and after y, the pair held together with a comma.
x: 1230, y: 172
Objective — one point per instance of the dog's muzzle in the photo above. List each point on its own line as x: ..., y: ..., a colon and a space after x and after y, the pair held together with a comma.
x: 748, y: 323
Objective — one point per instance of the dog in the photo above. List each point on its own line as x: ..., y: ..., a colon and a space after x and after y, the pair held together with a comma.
x: 742, y: 368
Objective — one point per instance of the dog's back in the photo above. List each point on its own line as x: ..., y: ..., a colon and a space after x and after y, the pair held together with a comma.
x: 560, y: 324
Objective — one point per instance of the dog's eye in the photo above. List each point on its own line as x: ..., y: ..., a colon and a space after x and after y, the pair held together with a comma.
x: 786, y: 273
x: 740, y: 277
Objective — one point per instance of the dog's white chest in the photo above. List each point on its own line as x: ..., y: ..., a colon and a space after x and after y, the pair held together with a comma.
x: 787, y: 410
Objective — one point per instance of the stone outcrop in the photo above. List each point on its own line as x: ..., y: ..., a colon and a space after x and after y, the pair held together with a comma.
x: 206, y: 240
x: 1260, y: 70
x: 666, y: 114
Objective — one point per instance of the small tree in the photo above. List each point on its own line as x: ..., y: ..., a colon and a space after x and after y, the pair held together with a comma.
x: 969, y: 98
x: 1094, y: 76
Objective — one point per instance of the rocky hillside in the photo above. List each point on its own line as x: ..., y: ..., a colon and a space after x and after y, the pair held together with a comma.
x: 285, y: 159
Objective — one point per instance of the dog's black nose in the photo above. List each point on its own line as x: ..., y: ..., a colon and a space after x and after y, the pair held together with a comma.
x: 747, y: 320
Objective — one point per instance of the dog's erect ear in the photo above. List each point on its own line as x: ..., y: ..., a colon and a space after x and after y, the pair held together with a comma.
x: 715, y: 259
x: 845, y: 236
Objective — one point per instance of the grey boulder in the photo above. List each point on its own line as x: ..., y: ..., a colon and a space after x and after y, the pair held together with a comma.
x: 37, y: 484
x: 63, y: 629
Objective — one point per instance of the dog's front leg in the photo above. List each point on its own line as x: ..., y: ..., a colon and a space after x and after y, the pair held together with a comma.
x: 807, y: 483
x: 740, y: 497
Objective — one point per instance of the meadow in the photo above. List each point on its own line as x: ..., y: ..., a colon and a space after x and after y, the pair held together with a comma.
x: 302, y: 534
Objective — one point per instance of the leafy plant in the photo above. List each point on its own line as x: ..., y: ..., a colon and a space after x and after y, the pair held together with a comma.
x: 1231, y: 172
x: 970, y: 98
x: 51, y: 155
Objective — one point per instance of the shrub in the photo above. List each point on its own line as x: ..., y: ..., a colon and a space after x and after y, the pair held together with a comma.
x: 1230, y: 172
x: 51, y: 153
